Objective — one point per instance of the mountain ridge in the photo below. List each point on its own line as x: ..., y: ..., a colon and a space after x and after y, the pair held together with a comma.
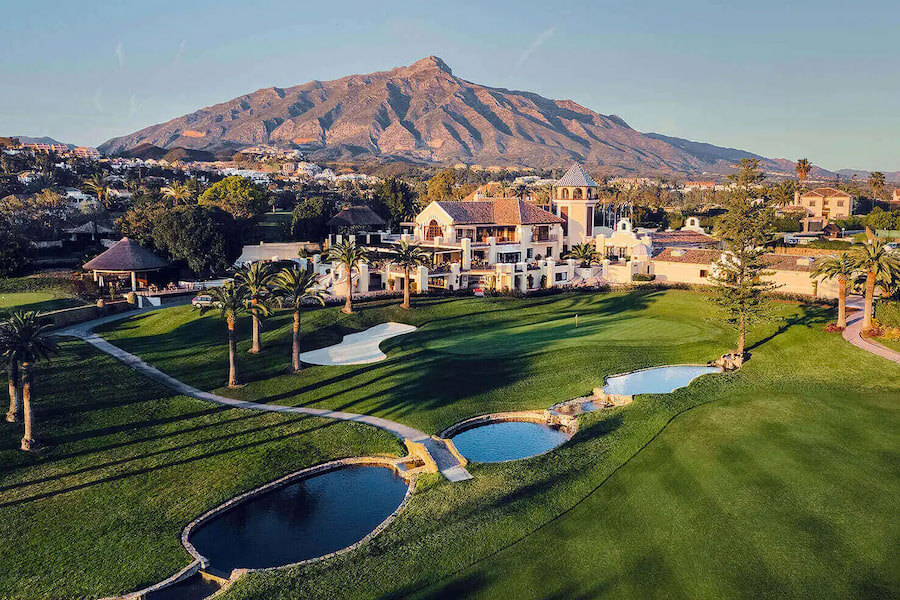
x: 424, y: 113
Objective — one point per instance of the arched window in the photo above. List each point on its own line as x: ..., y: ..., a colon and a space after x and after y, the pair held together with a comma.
x: 433, y: 230
x: 565, y: 194
x: 576, y: 195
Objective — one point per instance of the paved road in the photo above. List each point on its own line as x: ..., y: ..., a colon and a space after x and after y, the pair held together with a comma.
x: 447, y: 463
x: 853, y: 332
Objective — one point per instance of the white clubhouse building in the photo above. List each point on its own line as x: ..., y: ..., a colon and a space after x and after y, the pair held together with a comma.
x: 510, y: 244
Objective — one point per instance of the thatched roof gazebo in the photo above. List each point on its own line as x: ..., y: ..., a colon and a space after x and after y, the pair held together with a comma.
x: 125, y: 257
x: 355, y: 218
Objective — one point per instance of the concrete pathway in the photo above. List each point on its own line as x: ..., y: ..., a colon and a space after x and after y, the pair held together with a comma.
x: 853, y: 332
x: 447, y: 463
x: 357, y: 348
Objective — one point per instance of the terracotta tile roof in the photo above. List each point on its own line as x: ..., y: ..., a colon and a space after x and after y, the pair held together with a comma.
x: 665, y: 239
x: 126, y: 255
x: 702, y: 256
x: 825, y: 192
x: 576, y: 177
x: 499, y: 211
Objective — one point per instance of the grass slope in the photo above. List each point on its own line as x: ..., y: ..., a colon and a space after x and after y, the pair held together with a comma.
x: 101, y: 511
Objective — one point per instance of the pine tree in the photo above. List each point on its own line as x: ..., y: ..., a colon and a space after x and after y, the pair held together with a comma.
x: 744, y: 228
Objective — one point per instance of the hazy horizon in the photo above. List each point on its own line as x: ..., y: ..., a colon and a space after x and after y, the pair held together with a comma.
x: 806, y: 80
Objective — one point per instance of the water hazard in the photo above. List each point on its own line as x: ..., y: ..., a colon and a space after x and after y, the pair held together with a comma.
x: 302, y: 520
x: 507, y: 440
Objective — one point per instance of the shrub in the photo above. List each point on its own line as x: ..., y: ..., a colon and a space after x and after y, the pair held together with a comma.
x: 643, y: 277
x: 888, y: 313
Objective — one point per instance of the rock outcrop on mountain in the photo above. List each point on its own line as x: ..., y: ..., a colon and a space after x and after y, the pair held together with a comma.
x: 425, y: 113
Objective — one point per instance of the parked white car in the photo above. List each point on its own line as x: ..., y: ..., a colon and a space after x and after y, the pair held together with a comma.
x: 203, y: 300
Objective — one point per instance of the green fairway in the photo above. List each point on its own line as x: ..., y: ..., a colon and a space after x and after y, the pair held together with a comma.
x: 470, y: 356
x: 777, y: 481
x: 101, y: 511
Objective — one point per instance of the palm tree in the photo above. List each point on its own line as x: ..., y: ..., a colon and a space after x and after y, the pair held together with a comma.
x: 231, y: 301
x: 177, y: 193
x: 255, y: 279
x: 408, y: 257
x: 803, y: 169
x: 881, y: 268
x: 14, y: 415
x: 349, y: 255
x: 293, y: 286
x: 876, y: 182
x: 97, y: 185
x: 584, y: 252
x: 25, y: 339
x: 841, y: 267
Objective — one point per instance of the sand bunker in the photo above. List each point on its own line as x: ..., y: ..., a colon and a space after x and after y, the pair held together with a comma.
x: 357, y: 348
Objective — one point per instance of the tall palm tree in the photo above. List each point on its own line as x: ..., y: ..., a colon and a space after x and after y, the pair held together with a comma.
x: 14, y: 415
x: 293, y: 286
x: 349, y: 255
x: 178, y: 193
x: 881, y: 268
x: 231, y: 301
x: 876, y: 182
x: 25, y: 339
x: 585, y: 253
x: 255, y: 279
x: 841, y: 267
x: 803, y: 169
x: 408, y: 257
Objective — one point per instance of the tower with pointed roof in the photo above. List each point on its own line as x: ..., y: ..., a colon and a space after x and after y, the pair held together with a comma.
x: 575, y: 199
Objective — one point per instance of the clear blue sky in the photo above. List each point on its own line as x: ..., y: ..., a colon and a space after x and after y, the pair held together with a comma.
x: 784, y: 79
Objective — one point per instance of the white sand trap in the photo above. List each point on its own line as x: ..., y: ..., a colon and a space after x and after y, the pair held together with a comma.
x: 357, y: 348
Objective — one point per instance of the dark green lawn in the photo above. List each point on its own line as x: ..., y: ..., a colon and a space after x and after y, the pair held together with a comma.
x: 779, y: 481
x: 101, y: 511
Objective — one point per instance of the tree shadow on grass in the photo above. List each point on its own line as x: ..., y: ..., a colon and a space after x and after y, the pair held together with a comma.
x: 172, y: 463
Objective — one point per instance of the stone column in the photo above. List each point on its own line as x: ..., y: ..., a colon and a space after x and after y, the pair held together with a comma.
x: 453, y: 282
x: 492, y: 250
x: 550, y: 271
x: 133, y: 281
x: 466, y: 254
x: 363, y: 282
x: 422, y: 279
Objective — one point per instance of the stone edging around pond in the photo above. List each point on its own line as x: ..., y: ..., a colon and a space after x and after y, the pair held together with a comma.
x: 529, y: 416
x: 372, y: 461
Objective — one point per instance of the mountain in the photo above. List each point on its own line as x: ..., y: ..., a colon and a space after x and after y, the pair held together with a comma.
x: 39, y: 140
x: 424, y: 113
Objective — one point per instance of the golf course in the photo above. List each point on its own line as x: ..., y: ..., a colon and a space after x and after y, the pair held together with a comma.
x: 775, y: 481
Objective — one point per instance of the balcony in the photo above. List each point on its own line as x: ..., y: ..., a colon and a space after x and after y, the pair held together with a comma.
x: 541, y: 239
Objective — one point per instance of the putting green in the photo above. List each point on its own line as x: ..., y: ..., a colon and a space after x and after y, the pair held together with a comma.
x: 554, y: 334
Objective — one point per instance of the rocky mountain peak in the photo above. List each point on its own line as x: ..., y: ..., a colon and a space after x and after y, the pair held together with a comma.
x: 429, y: 63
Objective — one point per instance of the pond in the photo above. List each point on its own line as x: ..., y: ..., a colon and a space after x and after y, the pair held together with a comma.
x: 301, y: 520
x: 507, y: 440
x: 660, y: 380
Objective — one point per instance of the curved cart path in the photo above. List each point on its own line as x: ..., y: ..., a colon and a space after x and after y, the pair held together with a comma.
x: 447, y: 463
x: 853, y: 333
